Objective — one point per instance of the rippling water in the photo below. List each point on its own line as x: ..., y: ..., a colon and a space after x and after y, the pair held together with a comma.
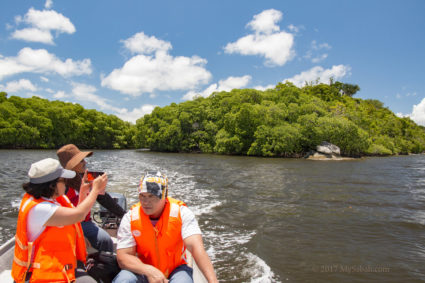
x: 276, y: 220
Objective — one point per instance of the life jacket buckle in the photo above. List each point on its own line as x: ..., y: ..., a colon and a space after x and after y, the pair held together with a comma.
x: 67, y: 266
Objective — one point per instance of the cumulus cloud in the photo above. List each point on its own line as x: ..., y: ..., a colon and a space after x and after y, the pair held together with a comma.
x: 267, y: 40
x: 136, y: 113
x: 33, y: 34
x: 87, y: 93
x: 143, y: 44
x: 84, y: 92
x: 60, y: 94
x: 263, y: 88
x: 160, y: 71
x: 265, y: 22
x: 319, y: 74
x: 16, y: 86
x: 41, y: 61
x: 418, y: 113
x: 223, y: 85
x: 41, y: 24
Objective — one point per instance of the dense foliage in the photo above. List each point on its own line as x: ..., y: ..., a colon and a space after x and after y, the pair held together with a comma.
x: 284, y: 121
x: 39, y: 123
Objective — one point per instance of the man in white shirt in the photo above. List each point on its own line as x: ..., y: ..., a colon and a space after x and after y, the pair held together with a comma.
x: 154, y: 234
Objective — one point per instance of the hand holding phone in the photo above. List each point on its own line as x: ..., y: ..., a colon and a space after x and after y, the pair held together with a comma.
x: 91, y: 175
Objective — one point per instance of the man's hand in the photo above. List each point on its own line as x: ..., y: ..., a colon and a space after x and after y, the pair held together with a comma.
x: 154, y: 275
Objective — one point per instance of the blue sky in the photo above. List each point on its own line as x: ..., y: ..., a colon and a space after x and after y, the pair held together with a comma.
x: 126, y: 57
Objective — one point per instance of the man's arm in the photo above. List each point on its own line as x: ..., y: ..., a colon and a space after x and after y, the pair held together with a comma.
x: 128, y: 260
x: 195, y: 246
x: 110, y: 204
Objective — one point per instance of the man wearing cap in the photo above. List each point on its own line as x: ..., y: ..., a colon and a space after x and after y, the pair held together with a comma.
x: 154, y: 234
x: 72, y: 158
x: 48, y: 238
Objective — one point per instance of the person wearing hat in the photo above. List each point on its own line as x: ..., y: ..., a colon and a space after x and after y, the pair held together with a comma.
x: 72, y: 158
x: 153, y: 237
x: 49, y: 238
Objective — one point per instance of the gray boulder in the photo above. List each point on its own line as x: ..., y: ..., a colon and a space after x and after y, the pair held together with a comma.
x: 326, y: 151
x: 328, y: 148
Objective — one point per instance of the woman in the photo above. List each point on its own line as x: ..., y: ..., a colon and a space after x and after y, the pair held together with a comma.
x: 72, y: 158
x: 49, y: 239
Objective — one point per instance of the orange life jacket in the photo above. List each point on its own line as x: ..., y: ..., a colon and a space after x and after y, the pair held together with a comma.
x: 161, y: 246
x: 54, y: 252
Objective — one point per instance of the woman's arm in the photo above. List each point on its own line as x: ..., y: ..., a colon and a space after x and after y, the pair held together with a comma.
x: 68, y: 216
x: 84, y: 188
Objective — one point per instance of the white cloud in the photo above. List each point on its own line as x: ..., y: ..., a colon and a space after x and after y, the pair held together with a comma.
x: 317, y: 49
x: 22, y: 84
x: 316, y: 46
x: 84, y: 92
x: 294, y: 28
x: 418, y: 113
x: 265, y: 22
x: 41, y: 61
x: 143, y: 44
x: 263, y: 88
x: 320, y: 74
x: 136, y: 113
x: 267, y: 40
x: 60, y: 94
x: 157, y: 72
x: 49, y: 20
x: 87, y: 93
x: 223, y: 85
x: 34, y: 35
x: 319, y: 58
x: 48, y: 4
x: 42, y: 23
x: 44, y: 79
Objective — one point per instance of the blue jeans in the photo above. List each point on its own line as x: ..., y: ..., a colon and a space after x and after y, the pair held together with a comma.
x: 182, y: 274
x: 98, y: 238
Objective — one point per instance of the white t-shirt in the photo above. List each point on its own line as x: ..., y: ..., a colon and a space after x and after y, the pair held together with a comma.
x: 38, y: 216
x: 189, y: 227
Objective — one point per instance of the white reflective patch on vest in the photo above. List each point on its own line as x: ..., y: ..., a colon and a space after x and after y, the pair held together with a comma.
x: 174, y: 210
x: 26, y: 203
x: 135, y: 213
x: 136, y: 233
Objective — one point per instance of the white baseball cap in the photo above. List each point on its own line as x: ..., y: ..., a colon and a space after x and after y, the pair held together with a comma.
x: 47, y: 170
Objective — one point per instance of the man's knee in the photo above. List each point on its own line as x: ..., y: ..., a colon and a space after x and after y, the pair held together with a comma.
x: 182, y: 274
x: 126, y: 276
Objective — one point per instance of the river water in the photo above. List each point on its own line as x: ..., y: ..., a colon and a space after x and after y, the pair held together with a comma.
x: 275, y: 220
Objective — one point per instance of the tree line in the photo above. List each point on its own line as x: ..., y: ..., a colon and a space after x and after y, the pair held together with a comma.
x: 286, y: 121
x: 40, y: 123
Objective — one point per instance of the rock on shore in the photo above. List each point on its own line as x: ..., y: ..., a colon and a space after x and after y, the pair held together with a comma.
x: 326, y: 151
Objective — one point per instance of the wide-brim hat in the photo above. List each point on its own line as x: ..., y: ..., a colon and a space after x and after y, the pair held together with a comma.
x: 69, y: 156
x: 47, y: 170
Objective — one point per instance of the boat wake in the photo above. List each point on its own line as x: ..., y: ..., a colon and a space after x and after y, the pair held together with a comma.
x: 227, y: 248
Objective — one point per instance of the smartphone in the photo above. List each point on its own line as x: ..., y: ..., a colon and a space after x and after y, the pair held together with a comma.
x: 91, y: 175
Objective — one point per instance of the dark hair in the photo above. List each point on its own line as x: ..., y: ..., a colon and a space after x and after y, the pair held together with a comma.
x: 46, y: 189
